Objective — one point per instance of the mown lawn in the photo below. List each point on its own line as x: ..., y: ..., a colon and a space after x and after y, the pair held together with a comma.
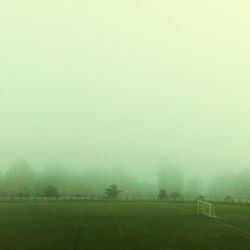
x: 120, y: 225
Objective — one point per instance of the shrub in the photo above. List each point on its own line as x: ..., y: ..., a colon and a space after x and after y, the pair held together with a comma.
x: 175, y: 196
x: 51, y: 191
x: 228, y: 199
x: 201, y: 198
x: 163, y: 194
x: 112, y: 192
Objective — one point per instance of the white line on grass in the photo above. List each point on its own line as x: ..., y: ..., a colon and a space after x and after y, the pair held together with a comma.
x: 187, y: 210
x: 116, y: 224
x: 230, y: 226
x: 120, y: 230
x: 223, y: 223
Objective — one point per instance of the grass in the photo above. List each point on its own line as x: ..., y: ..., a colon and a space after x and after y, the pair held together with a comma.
x: 120, y: 226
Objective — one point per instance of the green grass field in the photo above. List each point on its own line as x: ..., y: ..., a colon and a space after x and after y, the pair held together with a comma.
x: 121, y: 225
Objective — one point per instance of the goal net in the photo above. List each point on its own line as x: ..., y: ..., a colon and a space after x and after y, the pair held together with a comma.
x: 206, y: 208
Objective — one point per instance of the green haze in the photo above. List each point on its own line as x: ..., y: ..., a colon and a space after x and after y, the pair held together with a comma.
x: 100, y: 84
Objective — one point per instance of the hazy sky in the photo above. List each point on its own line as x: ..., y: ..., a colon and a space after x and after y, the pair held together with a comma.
x: 130, y: 82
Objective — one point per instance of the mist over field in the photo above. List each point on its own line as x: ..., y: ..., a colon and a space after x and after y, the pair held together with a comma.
x: 143, y: 94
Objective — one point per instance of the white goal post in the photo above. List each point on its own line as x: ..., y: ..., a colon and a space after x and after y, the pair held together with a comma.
x: 206, y: 208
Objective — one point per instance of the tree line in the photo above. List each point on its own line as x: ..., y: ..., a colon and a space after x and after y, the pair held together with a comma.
x: 20, y: 179
x: 56, y: 180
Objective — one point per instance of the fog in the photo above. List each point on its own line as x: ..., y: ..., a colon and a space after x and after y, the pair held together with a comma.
x: 128, y: 86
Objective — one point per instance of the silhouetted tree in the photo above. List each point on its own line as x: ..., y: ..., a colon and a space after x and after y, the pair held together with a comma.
x: 112, y: 192
x: 51, y: 191
x: 19, y: 179
x: 170, y: 177
x: 175, y: 196
x: 224, y: 183
x: 163, y: 194
x: 228, y: 199
x: 201, y: 198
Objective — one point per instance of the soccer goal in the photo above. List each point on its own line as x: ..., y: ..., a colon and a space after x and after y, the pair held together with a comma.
x: 206, y: 208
